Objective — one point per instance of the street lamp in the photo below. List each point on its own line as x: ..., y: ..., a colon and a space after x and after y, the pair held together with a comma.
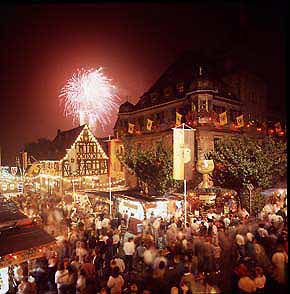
x: 250, y: 188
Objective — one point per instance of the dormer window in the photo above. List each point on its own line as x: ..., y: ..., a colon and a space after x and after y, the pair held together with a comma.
x: 153, y: 97
x: 167, y: 92
x: 180, y: 87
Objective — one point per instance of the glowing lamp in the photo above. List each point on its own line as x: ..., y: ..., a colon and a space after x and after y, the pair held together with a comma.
x: 259, y: 129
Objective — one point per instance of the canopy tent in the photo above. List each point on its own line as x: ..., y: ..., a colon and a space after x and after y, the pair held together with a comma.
x: 20, y: 239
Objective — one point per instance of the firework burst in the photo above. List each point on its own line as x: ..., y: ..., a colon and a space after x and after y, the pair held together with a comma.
x: 89, y: 97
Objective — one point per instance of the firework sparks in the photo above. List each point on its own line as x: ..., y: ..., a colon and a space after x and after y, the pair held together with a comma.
x: 89, y: 97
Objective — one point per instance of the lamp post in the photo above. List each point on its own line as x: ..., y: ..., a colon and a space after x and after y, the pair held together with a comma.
x: 250, y: 188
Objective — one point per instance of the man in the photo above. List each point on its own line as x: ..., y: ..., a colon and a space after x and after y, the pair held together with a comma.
x: 129, y: 250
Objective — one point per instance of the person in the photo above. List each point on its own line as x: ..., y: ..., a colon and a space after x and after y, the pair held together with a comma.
x: 116, y: 242
x: 280, y: 260
x: 115, y: 281
x: 72, y: 280
x: 25, y: 287
x: 129, y: 250
x: 119, y: 262
x: 81, y: 286
x: 260, y: 280
x: 210, y: 287
x: 61, y: 278
x: 245, y: 283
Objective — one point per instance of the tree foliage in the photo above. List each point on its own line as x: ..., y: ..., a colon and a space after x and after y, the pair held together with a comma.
x: 153, y: 167
x: 246, y: 160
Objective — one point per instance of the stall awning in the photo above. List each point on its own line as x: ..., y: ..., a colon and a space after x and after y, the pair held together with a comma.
x: 132, y: 194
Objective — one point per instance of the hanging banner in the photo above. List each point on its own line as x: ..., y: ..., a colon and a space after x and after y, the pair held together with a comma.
x: 183, y: 153
x: 223, y: 118
x: 178, y: 119
x: 131, y: 128
x: 240, y: 121
x: 149, y: 124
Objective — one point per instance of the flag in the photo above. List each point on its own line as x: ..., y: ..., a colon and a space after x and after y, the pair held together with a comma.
x: 24, y: 160
x: 178, y: 119
x: 240, y: 121
x: 193, y: 108
x: 223, y: 118
x: 131, y: 128
x: 183, y: 153
x: 149, y: 124
x: 13, y: 170
x: 278, y: 127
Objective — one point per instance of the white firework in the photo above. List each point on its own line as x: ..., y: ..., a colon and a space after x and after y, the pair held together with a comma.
x: 89, y: 97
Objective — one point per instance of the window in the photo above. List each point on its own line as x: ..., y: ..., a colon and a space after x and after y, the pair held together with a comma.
x: 202, y: 104
x: 160, y: 117
x: 216, y: 142
x: 180, y: 87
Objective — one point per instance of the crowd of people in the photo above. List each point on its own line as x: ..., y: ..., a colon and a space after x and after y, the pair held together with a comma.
x: 212, y: 253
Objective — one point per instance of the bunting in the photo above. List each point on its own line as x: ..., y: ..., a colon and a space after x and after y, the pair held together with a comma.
x: 131, y: 128
x: 149, y: 124
x: 240, y: 121
x: 223, y: 118
x: 278, y: 127
x: 178, y: 119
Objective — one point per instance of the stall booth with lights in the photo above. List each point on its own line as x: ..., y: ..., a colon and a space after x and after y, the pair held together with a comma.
x: 20, y: 242
x: 138, y: 206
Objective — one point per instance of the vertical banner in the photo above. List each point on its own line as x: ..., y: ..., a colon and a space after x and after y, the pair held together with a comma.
x: 24, y: 160
x: 183, y: 153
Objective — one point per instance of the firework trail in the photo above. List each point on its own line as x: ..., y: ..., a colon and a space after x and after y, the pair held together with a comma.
x: 89, y: 97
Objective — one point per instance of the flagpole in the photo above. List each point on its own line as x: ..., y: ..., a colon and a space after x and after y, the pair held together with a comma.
x: 184, y: 185
x: 110, y: 182
x: 185, y: 204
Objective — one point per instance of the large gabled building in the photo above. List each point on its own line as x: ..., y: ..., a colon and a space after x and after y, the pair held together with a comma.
x: 75, y: 159
x: 200, y: 88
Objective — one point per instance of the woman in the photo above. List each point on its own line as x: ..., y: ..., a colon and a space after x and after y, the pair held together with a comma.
x: 81, y: 283
x: 260, y: 280
x: 61, y: 278
x: 116, y: 281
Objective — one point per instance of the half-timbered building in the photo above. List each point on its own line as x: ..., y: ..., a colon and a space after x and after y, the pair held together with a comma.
x: 75, y: 159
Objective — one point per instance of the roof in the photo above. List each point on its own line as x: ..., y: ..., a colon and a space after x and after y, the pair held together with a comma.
x: 195, y: 70
x: 63, y: 141
x: 133, y: 194
x: 9, y: 213
x: 17, y: 232
x: 20, y: 238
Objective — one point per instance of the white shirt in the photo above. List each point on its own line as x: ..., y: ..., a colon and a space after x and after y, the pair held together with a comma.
x: 129, y: 248
x: 61, y: 277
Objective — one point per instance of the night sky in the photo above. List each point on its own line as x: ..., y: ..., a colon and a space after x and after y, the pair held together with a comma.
x: 42, y: 45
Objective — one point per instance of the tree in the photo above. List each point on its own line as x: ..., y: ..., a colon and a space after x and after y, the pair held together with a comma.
x: 246, y: 160
x: 153, y: 168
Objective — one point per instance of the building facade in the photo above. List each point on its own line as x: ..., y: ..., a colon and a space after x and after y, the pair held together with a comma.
x: 74, y: 160
x: 200, y: 91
